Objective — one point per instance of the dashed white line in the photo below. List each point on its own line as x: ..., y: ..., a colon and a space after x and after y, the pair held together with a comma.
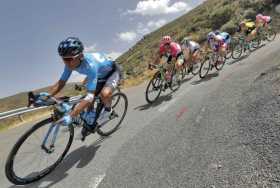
x: 198, y: 118
x: 96, y: 181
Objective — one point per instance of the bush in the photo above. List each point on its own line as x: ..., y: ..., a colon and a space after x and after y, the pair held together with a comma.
x: 229, y: 27
x: 250, y: 14
x: 220, y: 16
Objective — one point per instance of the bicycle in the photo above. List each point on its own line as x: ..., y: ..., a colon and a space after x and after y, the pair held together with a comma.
x: 230, y: 46
x: 81, y: 87
x: 160, y: 82
x: 51, y: 136
x: 241, y: 46
x: 264, y: 35
x: 211, y: 59
x: 193, y: 68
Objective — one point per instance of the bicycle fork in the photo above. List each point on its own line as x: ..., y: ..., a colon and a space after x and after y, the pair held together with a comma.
x: 53, y: 130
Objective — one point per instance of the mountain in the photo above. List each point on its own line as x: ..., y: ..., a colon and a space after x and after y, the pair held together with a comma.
x: 224, y: 15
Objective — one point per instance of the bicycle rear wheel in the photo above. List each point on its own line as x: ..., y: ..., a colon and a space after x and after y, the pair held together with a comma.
x: 155, y: 87
x: 270, y: 34
x: 195, y: 68
x: 17, y: 168
x: 116, y: 118
x: 116, y: 100
x: 220, y: 63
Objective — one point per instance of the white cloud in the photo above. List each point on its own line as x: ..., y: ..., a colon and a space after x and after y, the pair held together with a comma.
x: 157, y: 7
x: 127, y: 36
x: 90, y: 49
x: 150, y: 26
x: 156, y: 24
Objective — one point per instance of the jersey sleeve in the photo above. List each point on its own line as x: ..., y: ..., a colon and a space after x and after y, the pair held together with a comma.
x: 92, y: 80
x: 66, y: 74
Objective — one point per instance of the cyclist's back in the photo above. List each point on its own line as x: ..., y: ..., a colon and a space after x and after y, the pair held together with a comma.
x: 95, y: 66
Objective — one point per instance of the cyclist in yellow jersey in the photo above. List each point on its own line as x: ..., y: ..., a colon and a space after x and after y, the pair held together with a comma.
x: 248, y: 28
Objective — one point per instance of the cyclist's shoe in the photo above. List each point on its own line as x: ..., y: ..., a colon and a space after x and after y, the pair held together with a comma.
x: 219, y: 62
x: 84, y: 134
x: 166, y: 85
x: 190, y: 69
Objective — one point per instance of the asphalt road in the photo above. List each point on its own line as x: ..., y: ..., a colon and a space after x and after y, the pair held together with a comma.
x: 219, y: 132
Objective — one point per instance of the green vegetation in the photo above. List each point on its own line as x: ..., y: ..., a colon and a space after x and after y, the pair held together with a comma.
x: 211, y: 15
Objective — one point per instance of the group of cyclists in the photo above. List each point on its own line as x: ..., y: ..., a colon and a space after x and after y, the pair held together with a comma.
x: 103, y: 74
x: 188, y: 52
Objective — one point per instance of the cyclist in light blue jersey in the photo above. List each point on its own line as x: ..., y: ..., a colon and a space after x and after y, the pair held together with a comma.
x: 103, y: 75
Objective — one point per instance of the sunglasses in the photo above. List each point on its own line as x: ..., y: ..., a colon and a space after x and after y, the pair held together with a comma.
x: 70, y: 58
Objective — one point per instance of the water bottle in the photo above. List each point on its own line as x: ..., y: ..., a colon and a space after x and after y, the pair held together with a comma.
x: 89, y: 116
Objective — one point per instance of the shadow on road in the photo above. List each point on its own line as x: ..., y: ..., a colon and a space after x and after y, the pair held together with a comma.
x: 207, y: 78
x: 186, y: 79
x: 81, y: 156
x: 160, y: 100
x: 233, y: 61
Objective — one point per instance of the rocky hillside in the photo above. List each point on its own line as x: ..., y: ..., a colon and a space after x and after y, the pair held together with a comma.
x: 211, y: 15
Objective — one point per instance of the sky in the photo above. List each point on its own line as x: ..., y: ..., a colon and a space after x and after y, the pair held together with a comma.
x: 31, y: 30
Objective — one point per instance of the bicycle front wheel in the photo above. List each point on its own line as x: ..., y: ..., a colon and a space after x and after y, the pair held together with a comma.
x: 195, y: 68
x: 205, y: 67
x: 255, y: 43
x: 237, y: 51
x: 220, y: 63
x: 30, y: 160
x: 176, y: 80
x: 154, y: 88
x: 119, y: 111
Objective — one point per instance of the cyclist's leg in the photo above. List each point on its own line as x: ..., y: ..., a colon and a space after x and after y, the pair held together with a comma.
x: 108, y: 89
x: 196, y: 56
x: 222, y: 49
x: 186, y: 52
x: 179, y: 61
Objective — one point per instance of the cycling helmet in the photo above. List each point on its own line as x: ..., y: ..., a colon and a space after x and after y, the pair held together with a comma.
x: 185, y: 40
x: 259, y: 16
x: 70, y: 47
x: 166, y: 40
x: 210, y: 36
x: 217, y: 32
x: 242, y: 23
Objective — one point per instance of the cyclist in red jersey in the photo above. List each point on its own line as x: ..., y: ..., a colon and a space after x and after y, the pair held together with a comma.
x: 169, y: 50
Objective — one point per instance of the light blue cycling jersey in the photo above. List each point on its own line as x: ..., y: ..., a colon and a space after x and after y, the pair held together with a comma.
x: 95, y: 66
x: 226, y: 37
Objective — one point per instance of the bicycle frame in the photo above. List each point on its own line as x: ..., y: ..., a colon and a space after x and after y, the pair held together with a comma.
x: 54, y: 128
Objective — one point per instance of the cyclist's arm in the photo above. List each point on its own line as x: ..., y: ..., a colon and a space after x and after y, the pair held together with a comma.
x: 82, y: 105
x: 86, y: 102
x: 57, y: 87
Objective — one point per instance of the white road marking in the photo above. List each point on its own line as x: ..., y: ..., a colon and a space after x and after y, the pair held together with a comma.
x: 198, y: 118
x: 96, y: 181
